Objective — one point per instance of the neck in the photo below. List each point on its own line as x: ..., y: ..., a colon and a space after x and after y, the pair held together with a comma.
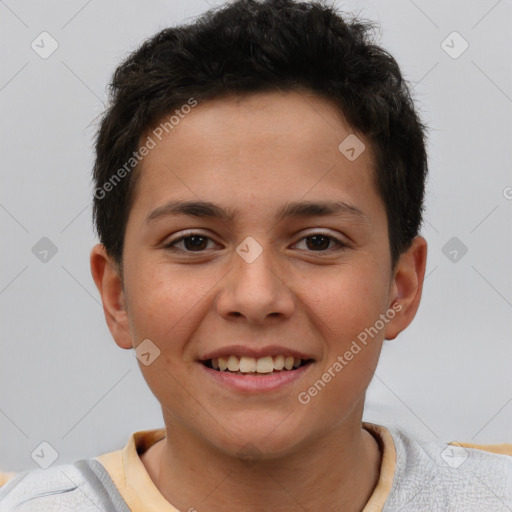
x: 337, y: 472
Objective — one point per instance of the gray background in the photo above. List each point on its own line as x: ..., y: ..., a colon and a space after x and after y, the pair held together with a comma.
x: 62, y: 378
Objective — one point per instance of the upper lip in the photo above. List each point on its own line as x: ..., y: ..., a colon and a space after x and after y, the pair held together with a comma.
x: 244, y: 350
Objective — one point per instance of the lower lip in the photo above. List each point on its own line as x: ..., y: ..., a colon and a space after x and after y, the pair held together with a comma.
x: 264, y: 382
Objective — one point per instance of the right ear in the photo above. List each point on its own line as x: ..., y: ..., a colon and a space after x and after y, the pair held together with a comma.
x: 109, y: 283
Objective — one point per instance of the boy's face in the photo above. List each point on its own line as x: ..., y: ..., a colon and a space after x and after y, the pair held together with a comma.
x: 256, y: 284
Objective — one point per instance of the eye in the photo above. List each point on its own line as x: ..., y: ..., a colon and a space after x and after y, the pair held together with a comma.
x: 320, y: 242
x: 192, y: 242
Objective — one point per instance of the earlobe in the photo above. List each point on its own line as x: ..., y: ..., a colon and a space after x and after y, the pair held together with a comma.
x: 109, y: 283
x: 407, y: 287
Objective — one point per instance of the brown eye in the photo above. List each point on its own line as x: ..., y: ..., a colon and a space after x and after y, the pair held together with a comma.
x: 321, y: 242
x: 191, y: 243
x: 318, y: 242
x: 195, y: 243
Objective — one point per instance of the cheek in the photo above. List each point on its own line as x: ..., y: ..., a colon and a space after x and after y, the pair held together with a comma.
x: 347, y: 301
x: 168, y: 304
x: 162, y: 302
x: 347, y: 306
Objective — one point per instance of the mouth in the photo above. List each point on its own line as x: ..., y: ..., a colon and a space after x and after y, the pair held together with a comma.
x: 256, y: 366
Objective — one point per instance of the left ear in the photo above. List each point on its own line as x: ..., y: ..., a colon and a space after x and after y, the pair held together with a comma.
x: 407, y: 287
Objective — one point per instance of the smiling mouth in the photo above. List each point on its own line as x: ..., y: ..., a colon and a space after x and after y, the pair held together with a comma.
x: 244, y: 365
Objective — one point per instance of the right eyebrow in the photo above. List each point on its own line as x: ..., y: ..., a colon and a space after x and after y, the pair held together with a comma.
x: 193, y: 208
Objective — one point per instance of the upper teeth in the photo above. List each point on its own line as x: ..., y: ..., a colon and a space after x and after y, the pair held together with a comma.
x: 265, y: 364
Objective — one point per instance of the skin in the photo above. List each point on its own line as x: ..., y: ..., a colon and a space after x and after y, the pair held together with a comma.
x: 255, y: 154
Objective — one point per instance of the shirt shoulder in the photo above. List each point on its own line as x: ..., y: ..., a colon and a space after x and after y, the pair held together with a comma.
x: 83, y: 485
x: 438, y: 476
x: 6, y: 476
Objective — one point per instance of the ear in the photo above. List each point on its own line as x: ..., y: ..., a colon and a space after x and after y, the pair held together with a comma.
x: 406, y: 287
x: 109, y: 283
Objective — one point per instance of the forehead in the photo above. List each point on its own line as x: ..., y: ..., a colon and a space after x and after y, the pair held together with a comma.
x: 255, y: 149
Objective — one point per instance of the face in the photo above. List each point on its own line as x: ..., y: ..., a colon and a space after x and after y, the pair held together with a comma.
x: 258, y: 276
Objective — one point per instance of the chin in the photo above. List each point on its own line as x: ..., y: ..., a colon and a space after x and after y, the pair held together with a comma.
x: 259, y: 436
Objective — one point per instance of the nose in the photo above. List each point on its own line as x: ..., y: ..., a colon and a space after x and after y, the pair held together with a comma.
x: 256, y: 289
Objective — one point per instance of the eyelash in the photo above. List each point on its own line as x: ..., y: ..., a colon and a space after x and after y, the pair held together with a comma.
x: 340, y: 245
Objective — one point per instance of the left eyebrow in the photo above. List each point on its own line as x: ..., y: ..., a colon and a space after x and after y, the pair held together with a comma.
x: 295, y: 209
x: 324, y: 208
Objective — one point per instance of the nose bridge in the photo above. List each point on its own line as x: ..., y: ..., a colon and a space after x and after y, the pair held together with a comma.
x: 256, y: 261
x: 255, y: 288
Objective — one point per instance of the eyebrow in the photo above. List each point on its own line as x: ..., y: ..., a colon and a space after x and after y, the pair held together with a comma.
x: 294, y: 209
